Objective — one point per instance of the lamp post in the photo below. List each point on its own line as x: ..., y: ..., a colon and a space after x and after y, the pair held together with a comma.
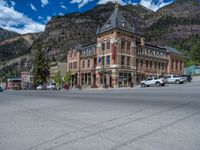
x: 103, y: 68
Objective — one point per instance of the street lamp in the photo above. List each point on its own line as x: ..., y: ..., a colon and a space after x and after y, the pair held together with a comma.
x: 103, y: 63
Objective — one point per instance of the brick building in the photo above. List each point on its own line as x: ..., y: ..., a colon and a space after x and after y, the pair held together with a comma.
x: 118, y: 58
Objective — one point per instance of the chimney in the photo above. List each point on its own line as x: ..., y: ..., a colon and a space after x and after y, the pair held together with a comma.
x: 142, y: 41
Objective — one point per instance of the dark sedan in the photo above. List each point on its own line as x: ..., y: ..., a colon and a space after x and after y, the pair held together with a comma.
x: 1, y: 89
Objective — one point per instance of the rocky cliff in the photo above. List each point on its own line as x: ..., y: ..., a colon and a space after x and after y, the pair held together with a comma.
x: 176, y: 21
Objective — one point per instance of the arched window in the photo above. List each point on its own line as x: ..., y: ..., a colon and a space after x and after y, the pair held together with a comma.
x: 123, y: 44
x: 108, y: 45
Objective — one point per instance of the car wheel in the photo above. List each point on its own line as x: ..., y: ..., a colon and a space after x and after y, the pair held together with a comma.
x: 177, y: 82
x: 157, y: 83
x: 143, y: 85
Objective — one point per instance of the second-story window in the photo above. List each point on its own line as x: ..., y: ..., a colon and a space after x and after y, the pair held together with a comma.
x: 147, y: 64
x: 103, y: 46
x: 136, y: 63
x: 74, y: 65
x: 123, y: 44
x: 83, y: 64
x: 141, y: 63
x: 122, y: 60
x: 150, y: 64
x: 128, y: 61
x: 159, y: 65
x: 88, y: 63
x: 155, y: 65
x: 181, y: 65
x: 108, y: 45
x: 172, y: 64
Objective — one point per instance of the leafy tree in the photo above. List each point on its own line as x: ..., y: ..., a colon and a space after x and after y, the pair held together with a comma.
x: 57, y: 78
x: 40, y: 65
x: 195, y: 52
x: 68, y: 77
x: 190, y: 48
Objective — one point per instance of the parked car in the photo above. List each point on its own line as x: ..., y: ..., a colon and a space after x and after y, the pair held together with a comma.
x: 1, y: 89
x: 153, y: 81
x: 41, y: 87
x: 187, y: 78
x: 174, y: 79
x: 51, y: 86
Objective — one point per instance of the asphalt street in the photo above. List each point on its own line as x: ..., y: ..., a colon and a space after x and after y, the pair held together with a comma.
x: 155, y: 118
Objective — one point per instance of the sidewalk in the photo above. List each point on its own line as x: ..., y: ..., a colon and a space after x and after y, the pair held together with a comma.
x: 110, y: 89
x: 195, y: 78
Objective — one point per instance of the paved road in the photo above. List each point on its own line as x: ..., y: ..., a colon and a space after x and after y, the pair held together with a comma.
x: 165, y: 118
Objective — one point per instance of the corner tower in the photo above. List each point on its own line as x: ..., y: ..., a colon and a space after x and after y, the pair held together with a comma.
x: 116, y: 52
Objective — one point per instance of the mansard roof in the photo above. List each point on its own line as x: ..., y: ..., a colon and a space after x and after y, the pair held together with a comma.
x: 116, y: 20
x: 173, y: 50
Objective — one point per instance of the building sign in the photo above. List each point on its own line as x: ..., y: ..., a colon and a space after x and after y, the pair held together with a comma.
x: 99, y: 60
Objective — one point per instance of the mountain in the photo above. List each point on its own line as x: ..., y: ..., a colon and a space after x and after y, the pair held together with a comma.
x: 64, y: 32
x: 16, y: 46
x: 177, y: 24
x: 15, y: 51
x: 180, y: 19
x: 182, y: 9
x: 5, y: 34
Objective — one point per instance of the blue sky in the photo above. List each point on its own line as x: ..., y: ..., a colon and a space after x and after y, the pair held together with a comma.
x: 28, y: 16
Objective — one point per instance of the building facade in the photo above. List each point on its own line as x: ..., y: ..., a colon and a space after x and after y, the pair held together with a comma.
x: 118, y: 58
x: 56, y: 67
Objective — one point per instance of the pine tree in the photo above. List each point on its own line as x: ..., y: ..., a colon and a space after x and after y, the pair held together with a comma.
x: 195, y: 52
x: 40, y: 65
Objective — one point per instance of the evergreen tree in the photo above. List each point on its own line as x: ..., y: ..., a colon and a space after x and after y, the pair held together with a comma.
x: 195, y: 52
x: 40, y: 65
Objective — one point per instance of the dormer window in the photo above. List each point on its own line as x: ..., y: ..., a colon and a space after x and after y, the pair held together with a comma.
x: 123, y: 23
x: 108, y: 24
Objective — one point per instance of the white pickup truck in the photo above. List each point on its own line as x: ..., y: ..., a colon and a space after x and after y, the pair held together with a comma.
x: 153, y: 81
x: 174, y: 79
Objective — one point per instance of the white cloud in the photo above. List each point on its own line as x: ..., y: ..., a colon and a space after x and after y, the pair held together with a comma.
x: 11, y: 19
x: 61, y: 14
x: 13, y: 3
x: 119, y: 1
x: 151, y: 5
x: 44, y: 2
x: 146, y: 3
x: 40, y: 17
x: 48, y: 18
x: 33, y: 7
x: 80, y: 3
x: 63, y: 6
